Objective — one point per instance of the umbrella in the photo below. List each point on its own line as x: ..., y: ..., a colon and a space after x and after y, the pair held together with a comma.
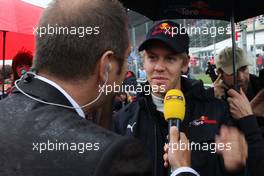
x: 14, y: 42
x: 232, y: 10
x: 18, y: 16
x: 17, y: 20
x: 196, y: 9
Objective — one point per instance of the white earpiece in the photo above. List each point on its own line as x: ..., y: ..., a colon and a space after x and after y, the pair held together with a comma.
x: 107, y: 70
x: 109, y: 67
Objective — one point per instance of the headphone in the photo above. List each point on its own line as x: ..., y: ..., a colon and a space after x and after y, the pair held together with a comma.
x: 29, y: 75
x: 109, y: 67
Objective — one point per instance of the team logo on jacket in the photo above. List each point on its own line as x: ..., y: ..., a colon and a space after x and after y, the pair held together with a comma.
x: 202, y: 121
x: 131, y: 127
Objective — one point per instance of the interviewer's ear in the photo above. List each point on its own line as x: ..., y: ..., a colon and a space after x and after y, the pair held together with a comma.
x: 105, y: 64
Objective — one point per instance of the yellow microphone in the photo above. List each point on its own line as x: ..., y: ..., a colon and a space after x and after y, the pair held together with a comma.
x: 174, y: 108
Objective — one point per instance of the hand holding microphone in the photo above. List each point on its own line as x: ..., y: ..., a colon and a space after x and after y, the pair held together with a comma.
x: 174, y: 112
x: 174, y: 156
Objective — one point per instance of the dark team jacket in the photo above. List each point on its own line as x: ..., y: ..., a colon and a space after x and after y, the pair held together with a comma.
x: 202, y: 121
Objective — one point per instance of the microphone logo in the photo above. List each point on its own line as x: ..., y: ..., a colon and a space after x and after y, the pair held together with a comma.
x: 175, y: 97
x: 174, y: 105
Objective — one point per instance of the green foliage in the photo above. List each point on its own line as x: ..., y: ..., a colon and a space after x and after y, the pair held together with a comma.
x: 205, y: 78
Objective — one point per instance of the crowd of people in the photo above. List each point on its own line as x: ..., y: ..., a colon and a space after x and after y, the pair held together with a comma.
x: 61, y: 102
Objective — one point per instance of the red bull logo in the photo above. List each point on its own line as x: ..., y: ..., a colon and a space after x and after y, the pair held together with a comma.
x: 162, y: 28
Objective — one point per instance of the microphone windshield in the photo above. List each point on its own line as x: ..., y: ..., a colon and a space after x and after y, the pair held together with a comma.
x: 174, y: 105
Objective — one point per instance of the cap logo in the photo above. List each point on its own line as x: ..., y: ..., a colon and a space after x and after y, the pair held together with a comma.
x: 162, y: 28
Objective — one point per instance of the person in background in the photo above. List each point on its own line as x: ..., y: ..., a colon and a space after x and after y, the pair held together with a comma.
x: 21, y: 63
x: 211, y: 71
x: 249, y: 83
x: 131, y: 82
x: 130, y: 79
x: 224, y: 65
x: 142, y: 74
x: 120, y: 101
x: 6, y: 78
